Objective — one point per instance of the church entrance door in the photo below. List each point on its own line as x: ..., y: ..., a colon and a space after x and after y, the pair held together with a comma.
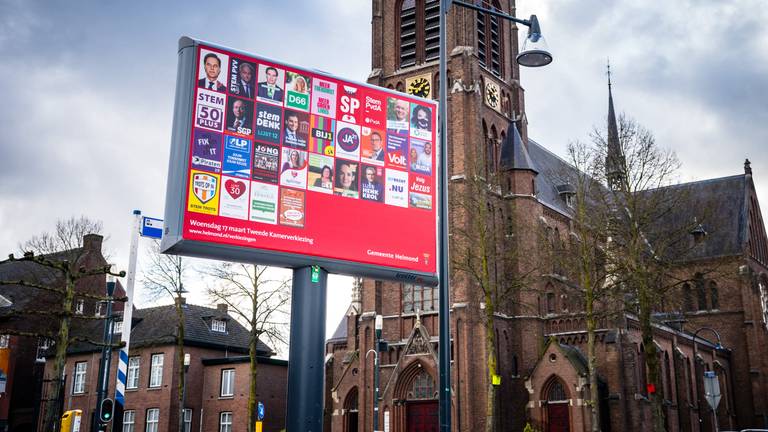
x: 422, y: 416
x: 557, y: 417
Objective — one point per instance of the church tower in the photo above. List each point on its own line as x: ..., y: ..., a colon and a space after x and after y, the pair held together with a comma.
x: 492, y: 185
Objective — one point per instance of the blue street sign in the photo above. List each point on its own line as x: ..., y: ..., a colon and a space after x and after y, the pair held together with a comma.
x: 260, y: 411
x: 151, y: 227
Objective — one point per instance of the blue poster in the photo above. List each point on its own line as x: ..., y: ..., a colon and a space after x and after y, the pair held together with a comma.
x: 237, y: 157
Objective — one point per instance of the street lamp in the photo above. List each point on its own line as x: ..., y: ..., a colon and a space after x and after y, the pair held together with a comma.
x: 534, y: 54
x: 718, y: 347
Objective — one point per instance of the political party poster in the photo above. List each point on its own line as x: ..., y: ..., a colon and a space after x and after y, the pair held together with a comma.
x: 206, y: 150
x: 297, y: 86
x: 293, y: 170
x: 320, y: 177
x: 322, y: 131
x: 237, y: 157
x: 268, y: 123
x: 372, y: 146
x: 209, y: 112
x: 266, y: 162
x: 292, y: 207
x: 276, y: 160
x: 263, y: 203
x: 347, y: 141
x: 324, y: 97
x: 372, y: 183
x: 234, y: 198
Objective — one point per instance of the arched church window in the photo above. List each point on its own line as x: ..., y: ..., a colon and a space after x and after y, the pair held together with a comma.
x: 419, y: 30
x: 714, y: 295
x: 556, y: 392
x: 423, y: 387
x: 421, y: 298
x: 701, y: 294
x: 489, y: 40
x: 687, y: 298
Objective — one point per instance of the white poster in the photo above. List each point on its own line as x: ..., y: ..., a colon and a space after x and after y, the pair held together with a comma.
x: 234, y: 198
x: 396, y: 192
x: 264, y: 203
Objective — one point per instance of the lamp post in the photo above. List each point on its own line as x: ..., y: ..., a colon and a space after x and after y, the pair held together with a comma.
x: 719, y: 346
x: 187, y: 361
x: 534, y: 54
x: 378, y: 325
x: 98, y: 423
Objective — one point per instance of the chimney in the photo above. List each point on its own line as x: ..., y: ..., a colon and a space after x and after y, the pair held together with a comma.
x: 92, y: 242
x: 221, y: 307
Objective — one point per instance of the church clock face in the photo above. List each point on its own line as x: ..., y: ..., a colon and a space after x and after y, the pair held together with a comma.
x: 420, y: 86
x: 492, y: 95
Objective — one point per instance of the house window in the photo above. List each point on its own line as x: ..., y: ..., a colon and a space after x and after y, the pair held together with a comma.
x: 153, y: 419
x: 187, y: 420
x: 5, y: 341
x: 117, y: 327
x: 419, y: 298
x: 43, y: 345
x: 227, y: 382
x: 225, y: 421
x: 79, y: 306
x: 100, y: 308
x: 129, y: 420
x: 419, y: 31
x: 489, y: 47
x: 156, y: 371
x: 218, y: 325
x: 78, y: 383
x: 132, y: 380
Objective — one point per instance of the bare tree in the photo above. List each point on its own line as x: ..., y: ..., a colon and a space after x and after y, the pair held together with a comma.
x: 483, y: 256
x: 582, y: 262
x: 164, y: 278
x: 57, y: 266
x: 647, y: 241
x: 258, y: 301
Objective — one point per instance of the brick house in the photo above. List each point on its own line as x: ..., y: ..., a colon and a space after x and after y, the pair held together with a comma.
x: 540, y: 337
x: 217, y: 380
x: 20, y: 306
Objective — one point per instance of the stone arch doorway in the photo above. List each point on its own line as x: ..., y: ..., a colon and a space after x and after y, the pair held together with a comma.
x: 416, y: 404
x: 350, y: 411
x: 557, y: 415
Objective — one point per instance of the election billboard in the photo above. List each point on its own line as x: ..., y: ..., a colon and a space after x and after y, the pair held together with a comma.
x: 282, y: 165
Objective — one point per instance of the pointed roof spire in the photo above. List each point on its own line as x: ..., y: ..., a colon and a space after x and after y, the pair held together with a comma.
x: 747, y: 167
x: 614, y: 160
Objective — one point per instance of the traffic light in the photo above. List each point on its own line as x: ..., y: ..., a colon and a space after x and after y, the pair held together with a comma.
x: 105, y: 411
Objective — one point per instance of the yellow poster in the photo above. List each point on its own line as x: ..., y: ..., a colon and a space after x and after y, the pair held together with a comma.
x: 204, y: 190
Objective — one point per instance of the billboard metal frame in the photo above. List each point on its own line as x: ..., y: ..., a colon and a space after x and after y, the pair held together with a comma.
x: 176, y: 191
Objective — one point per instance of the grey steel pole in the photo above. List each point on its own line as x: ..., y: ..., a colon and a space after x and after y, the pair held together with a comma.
x: 306, y: 367
x: 444, y: 354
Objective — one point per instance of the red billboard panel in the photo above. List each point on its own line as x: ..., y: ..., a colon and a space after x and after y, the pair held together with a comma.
x: 277, y: 164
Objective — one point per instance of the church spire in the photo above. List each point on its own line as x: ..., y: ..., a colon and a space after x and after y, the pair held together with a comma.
x: 614, y: 159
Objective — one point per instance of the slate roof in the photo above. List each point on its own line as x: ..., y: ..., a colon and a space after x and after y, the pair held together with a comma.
x: 719, y: 206
x: 341, y: 331
x: 157, y: 326
x: 552, y: 170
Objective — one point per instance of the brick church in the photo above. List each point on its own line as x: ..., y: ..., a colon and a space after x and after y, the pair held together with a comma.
x: 540, y: 338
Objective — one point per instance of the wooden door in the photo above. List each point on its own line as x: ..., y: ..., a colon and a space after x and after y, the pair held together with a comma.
x: 422, y: 416
x: 557, y: 417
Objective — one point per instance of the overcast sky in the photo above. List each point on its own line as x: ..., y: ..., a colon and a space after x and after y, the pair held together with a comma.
x: 87, y: 91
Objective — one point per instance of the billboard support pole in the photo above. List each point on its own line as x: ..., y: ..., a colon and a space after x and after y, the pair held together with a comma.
x: 306, y: 368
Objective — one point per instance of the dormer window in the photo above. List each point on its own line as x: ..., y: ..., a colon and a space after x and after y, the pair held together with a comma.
x: 567, y: 193
x: 219, y: 325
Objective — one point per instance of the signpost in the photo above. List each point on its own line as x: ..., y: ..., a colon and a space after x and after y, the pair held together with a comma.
x: 280, y: 165
x: 712, y: 393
